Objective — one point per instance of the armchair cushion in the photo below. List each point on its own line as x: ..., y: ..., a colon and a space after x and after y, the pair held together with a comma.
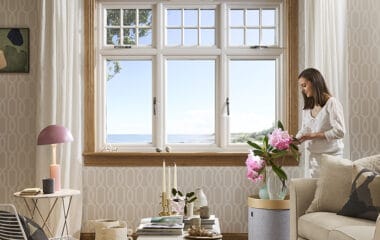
x: 333, y: 186
x: 321, y: 225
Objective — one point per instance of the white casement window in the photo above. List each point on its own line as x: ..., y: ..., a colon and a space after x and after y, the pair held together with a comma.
x: 193, y: 76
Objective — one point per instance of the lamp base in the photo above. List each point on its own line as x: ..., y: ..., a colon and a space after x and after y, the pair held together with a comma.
x: 55, y: 172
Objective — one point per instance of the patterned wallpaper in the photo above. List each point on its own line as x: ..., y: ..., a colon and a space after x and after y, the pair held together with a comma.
x: 364, y: 74
x: 18, y: 106
x: 131, y: 193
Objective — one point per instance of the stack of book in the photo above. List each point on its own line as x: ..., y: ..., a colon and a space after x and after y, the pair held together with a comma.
x: 30, y: 191
x: 206, y: 223
x: 167, y: 225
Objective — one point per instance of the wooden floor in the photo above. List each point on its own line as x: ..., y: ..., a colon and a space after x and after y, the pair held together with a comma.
x: 226, y: 236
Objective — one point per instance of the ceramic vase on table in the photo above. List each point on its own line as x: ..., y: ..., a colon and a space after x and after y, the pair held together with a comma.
x: 200, y: 201
x: 274, y: 185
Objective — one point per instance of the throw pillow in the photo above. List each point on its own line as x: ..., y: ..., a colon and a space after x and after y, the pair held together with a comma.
x: 364, y: 201
x: 333, y: 185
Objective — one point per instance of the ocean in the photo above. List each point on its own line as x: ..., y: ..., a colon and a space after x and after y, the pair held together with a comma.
x: 172, y: 138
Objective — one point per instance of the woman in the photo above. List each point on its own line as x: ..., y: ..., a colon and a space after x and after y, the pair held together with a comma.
x: 322, y: 120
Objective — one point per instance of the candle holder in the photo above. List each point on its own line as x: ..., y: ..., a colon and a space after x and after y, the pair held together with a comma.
x: 165, y: 205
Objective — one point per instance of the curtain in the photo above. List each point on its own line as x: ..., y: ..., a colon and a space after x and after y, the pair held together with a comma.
x: 326, y: 48
x: 60, y: 90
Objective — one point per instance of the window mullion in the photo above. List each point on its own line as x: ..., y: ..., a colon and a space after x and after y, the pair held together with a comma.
x: 222, y: 118
x: 159, y: 126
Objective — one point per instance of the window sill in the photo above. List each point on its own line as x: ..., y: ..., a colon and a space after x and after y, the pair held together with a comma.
x: 137, y: 159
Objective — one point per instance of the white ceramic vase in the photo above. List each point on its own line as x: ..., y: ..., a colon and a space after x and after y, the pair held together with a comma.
x: 200, y: 201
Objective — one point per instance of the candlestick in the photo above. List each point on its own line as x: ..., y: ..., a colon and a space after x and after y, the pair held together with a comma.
x: 175, y: 177
x: 163, y: 177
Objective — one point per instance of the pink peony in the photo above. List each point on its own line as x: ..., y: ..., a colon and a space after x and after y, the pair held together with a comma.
x: 254, y: 165
x: 280, y: 139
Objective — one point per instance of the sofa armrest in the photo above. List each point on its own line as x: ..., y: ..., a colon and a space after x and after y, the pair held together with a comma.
x: 302, y: 192
x: 377, y: 229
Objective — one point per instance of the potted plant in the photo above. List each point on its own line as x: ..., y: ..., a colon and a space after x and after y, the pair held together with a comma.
x: 187, y: 198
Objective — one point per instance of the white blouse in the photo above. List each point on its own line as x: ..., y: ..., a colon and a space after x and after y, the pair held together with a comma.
x: 329, y: 120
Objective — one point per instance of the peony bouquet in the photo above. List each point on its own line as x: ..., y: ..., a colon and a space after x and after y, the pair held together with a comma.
x: 274, y: 147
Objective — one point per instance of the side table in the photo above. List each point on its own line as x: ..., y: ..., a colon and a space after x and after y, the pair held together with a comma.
x: 31, y: 202
x: 268, y: 219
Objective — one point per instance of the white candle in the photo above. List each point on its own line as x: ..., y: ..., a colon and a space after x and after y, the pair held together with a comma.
x: 163, y: 177
x: 175, y: 176
x: 168, y: 193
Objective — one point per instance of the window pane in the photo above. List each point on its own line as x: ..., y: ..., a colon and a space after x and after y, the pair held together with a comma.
x: 268, y: 17
x: 145, y: 36
x: 129, y: 36
x: 253, y: 17
x: 113, y: 36
x: 236, y: 37
x: 129, y: 17
x: 145, y: 17
x: 113, y: 17
x: 173, y: 37
x: 252, y: 98
x: 191, y: 37
x: 207, y: 37
x: 207, y: 18
x: 237, y: 17
x: 268, y: 37
x: 190, y: 101
x: 174, y: 17
x: 129, y: 101
x: 191, y: 18
x: 253, y: 37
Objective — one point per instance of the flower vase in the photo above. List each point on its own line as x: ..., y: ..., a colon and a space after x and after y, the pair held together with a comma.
x: 274, y: 185
x: 263, y: 192
x: 200, y: 201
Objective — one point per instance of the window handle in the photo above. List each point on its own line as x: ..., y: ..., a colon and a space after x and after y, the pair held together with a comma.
x: 228, y: 106
x: 154, y: 106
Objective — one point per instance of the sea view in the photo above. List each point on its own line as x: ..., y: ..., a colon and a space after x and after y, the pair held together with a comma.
x: 147, y: 138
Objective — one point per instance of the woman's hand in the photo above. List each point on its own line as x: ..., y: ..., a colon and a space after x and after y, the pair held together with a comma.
x: 311, y: 136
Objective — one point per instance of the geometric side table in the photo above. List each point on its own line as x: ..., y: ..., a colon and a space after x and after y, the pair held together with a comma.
x: 34, y: 209
x: 268, y: 219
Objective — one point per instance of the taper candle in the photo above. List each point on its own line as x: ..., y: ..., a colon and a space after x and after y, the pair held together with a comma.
x: 168, y: 191
x: 163, y: 177
x: 175, y: 176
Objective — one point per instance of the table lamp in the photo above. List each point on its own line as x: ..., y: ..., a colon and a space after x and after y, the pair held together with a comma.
x: 52, y: 135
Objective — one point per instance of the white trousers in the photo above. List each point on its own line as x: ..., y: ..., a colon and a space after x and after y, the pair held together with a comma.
x: 313, y: 163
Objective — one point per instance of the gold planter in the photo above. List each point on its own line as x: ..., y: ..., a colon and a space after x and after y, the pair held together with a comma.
x: 256, y: 202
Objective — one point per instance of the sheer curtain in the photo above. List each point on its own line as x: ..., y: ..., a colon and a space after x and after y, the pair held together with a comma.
x: 60, y: 96
x: 326, y: 48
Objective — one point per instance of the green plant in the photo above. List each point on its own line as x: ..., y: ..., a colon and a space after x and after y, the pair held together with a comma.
x: 188, y: 197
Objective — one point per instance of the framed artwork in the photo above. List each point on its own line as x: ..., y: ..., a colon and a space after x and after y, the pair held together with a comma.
x: 14, y: 50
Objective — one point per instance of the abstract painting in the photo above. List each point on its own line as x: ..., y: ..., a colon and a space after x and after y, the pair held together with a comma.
x: 14, y: 50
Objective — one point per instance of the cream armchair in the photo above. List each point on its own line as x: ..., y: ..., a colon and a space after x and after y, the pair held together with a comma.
x: 324, y: 225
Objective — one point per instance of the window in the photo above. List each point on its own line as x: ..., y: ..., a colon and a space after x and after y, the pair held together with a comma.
x: 198, y: 78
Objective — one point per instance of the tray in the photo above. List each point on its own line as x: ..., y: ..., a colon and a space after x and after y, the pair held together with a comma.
x: 219, y: 236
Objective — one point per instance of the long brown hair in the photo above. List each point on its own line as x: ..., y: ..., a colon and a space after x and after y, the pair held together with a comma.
x: 320, y: 91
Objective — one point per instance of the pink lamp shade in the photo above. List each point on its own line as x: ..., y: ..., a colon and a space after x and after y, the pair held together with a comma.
x: 54, y: 134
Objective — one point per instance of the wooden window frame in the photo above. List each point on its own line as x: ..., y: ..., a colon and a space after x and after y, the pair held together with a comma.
x: 93, y: 158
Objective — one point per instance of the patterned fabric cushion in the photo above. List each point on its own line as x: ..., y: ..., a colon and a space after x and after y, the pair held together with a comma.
x: 364, y: 201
